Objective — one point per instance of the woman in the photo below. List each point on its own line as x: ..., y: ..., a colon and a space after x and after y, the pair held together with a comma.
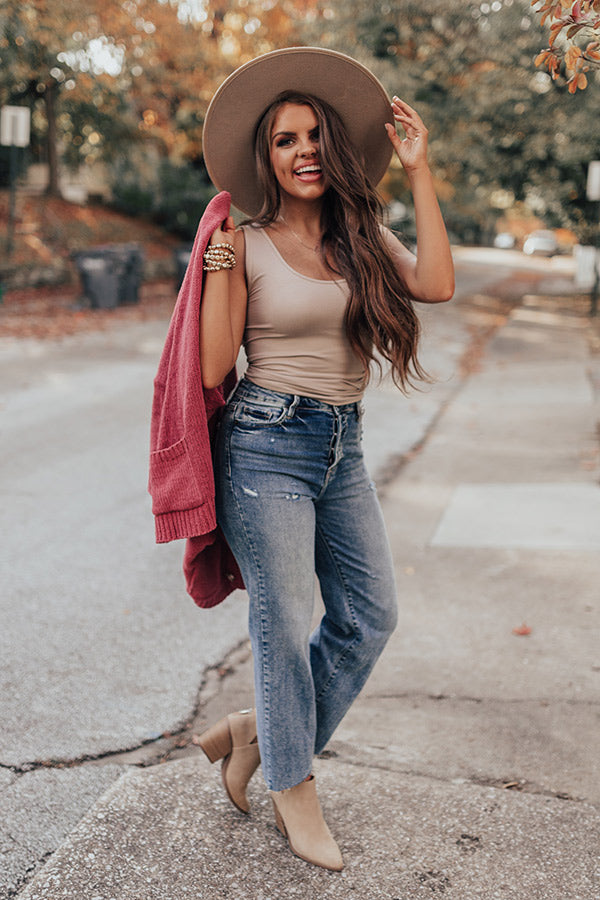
x: 316, y: 289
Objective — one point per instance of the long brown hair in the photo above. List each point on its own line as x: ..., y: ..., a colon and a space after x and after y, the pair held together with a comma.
x: 380, y: 319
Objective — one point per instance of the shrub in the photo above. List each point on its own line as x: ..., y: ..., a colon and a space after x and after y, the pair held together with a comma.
x: 174, y: 196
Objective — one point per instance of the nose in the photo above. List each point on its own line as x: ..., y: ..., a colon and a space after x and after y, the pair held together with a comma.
x: 307, y: 148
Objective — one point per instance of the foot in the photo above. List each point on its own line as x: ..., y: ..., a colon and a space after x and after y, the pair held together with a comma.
x: 299, y: 818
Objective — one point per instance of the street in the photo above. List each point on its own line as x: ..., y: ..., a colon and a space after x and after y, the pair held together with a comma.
x: 102, y: 650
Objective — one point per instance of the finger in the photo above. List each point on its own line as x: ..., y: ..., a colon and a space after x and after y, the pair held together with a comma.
x: 409, y: 122
x: 414, y: 129
x: 403, y: 105
x: 404, y: 113
x: 393, y: 135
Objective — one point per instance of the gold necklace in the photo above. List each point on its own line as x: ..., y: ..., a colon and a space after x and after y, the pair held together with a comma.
x: 297, y: 236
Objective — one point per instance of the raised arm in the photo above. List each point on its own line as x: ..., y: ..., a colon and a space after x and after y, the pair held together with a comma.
x: 223, y: 310
x: 430, y: 275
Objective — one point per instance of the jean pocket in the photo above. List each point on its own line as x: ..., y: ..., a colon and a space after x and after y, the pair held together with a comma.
x: 251, y: 414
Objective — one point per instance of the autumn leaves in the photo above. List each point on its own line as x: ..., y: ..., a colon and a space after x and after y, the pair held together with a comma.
x: 569, y: 21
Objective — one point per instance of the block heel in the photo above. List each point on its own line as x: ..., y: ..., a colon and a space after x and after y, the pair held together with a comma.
x: 234, y: 740
x: 217, y: 742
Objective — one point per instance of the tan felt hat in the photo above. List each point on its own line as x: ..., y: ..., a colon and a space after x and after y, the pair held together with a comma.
x: 234, y: 111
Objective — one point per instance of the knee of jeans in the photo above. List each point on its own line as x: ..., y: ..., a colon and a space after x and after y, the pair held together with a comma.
x: 386, y: 618
x: 375, y: 630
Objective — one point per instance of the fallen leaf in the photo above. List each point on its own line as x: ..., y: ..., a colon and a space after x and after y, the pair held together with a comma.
x: 510, y: 785
x: 522, y: 629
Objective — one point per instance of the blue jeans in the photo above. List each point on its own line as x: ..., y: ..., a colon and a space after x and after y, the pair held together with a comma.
x: 294, y: 499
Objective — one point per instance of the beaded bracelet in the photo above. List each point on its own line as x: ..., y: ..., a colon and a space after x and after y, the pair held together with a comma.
x: 219, y: 256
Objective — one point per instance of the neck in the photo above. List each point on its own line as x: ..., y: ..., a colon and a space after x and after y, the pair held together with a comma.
x: 302, y: 215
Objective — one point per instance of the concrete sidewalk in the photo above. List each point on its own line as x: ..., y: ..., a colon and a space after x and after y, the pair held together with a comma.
x: 469, y: 766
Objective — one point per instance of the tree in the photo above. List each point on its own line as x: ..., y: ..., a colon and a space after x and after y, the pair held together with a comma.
x: 57, y: 57
x: 500, y: 134
x: 571, y: 25
x: 106, y: 73
x: 186, y: 52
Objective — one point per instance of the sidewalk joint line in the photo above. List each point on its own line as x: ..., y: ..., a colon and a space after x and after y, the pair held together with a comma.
x: 506, y: 784
x: 442, y: 698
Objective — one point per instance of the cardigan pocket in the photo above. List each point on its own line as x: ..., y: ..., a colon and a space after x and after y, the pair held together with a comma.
x: 174, y: 483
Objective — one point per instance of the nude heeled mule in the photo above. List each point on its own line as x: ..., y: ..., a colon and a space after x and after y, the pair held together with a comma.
x: 233, y: 740
x: 299, y: 818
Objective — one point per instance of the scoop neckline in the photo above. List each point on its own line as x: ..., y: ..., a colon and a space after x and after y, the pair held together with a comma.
x: 295, y: 271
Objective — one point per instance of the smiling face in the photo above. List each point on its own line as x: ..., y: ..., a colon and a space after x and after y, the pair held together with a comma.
x: 294, y: 151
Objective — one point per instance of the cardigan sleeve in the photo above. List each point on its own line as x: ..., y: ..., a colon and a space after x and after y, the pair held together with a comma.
x: 181, y: 479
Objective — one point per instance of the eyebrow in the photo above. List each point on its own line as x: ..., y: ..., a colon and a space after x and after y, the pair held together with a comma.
x: 291, y: 133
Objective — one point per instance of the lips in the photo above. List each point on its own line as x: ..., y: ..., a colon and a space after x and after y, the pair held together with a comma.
x: 309, y: 172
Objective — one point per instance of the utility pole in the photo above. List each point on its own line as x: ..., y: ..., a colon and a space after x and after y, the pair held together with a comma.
x: 14, y: 132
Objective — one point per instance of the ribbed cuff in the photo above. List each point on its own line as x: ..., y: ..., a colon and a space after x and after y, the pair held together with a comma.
x: 184, y: 523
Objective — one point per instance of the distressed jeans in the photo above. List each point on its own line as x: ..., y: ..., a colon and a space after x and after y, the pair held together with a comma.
x: 294, y: 499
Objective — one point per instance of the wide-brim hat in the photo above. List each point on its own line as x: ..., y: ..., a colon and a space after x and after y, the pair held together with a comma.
x: 238, y: 104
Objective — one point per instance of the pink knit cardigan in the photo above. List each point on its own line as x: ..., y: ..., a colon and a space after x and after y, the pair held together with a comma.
x: 184, y: 415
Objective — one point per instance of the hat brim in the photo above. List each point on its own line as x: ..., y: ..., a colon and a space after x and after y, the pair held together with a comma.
x: 350, y: 88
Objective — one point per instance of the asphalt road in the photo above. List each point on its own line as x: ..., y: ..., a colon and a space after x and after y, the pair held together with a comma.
x: 101, y: 649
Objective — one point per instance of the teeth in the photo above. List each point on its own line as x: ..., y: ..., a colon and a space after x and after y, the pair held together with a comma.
x: 308, y: 169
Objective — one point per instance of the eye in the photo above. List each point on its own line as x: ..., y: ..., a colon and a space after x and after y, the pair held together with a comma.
x: 283, y: 141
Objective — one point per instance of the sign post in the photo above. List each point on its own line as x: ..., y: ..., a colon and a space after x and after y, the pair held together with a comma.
x: 593, y: 193
x: 14, y: 132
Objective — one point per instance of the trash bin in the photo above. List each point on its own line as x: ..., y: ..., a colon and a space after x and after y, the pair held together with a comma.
x: 110, y: 274
x: 131, y: 260
x: 182, y: 258
x: 99, y: 280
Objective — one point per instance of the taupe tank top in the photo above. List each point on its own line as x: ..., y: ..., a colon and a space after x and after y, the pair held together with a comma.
x: 295, y: 338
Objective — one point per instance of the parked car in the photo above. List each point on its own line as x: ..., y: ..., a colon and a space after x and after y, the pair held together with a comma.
x: 540, y: 243
x: 504, y: 240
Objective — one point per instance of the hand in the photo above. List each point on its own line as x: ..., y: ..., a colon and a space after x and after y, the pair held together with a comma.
x: 224, y: 234
x: 412, y: 150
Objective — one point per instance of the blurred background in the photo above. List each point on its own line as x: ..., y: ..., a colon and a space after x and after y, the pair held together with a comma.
x: 105, y: 663
x: 117, y: 93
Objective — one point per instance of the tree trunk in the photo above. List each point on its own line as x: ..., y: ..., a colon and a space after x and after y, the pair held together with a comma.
x: 53, y: 188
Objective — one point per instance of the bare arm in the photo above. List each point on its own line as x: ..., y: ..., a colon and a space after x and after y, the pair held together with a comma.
x: 223, y: 311
x: 430, y: 275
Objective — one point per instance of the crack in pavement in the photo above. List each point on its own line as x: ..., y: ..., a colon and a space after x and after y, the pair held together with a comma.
x: 458, y: 698
x: 16, y: 889
x: 165, y: 743
x: 512, y: 783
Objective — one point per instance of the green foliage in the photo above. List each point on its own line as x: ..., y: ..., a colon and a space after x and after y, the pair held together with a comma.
x: 501, y: 131
x: 174, y: 196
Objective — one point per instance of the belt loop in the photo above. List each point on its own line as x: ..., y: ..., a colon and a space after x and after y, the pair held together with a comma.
x: 292, y: 407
